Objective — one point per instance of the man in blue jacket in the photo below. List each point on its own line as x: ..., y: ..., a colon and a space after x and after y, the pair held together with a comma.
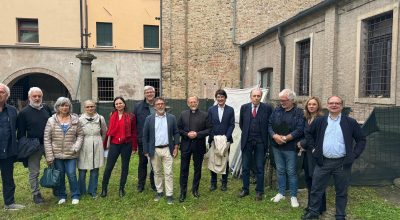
x: 332, y: 140
x: 222, y: 118
x: 253, y: 122
x: 8, y: 148
x: 160, y: 143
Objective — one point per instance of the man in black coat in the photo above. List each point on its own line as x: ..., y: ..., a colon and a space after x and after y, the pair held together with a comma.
x: 8, y: 148
x: 31, y: 122
x: 253, y: 122
x: 194, y: 126
x: 331, y: 138
x: 143, y: 109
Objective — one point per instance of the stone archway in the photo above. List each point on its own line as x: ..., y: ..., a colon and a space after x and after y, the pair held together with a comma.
x: 52, y: 84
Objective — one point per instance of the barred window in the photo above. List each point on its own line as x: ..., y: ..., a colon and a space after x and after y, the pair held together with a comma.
x: 377, y: 55
x: 105, y: 89
x: 303, y: 67
x: 28, y: 31
x: 155, y: 83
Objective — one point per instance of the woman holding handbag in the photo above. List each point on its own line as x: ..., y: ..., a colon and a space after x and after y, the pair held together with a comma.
x: 91, y: 154
x: 123, y: 141
x: 63, y: 137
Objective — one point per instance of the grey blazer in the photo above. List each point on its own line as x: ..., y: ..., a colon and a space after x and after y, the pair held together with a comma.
x: 149, y: 135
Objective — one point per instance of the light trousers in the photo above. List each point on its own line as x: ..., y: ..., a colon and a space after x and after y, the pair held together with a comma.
x: 163, y: 159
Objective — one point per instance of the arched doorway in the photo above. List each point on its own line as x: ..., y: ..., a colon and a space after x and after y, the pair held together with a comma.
x: 52, y: 89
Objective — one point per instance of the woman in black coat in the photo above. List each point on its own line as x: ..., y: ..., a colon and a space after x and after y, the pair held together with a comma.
x: 312, y: 111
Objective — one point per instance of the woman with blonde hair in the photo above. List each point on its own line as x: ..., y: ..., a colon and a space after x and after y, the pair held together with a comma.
x: 313, y: 109
x: 91, y: 155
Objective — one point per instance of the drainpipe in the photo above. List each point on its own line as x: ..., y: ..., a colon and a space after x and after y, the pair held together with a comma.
x: 283, y: 54
x: 242, y: 68
x: 161, y: 54
x: 186, y: 8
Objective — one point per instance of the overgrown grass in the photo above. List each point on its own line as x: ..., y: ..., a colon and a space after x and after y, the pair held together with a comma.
x: 364, y: 203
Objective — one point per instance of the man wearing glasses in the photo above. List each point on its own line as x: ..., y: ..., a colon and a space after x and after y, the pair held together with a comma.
x: 143, y: 109
x: 160, y: 143
x: 332, y: 140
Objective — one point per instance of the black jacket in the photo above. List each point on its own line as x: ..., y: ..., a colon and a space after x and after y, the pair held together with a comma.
x: 11, y: 150
x: 351, y: 131
x: 141, y: 110
x: 201, y: 125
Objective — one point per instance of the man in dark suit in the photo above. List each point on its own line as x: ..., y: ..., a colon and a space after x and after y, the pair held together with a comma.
x: 143, y: 109
x: 160, y: 143
x: 8, y: 148
x: 332, y: 140
x: 253, y: 122
x: 222, y: 118
x: 194, y: 127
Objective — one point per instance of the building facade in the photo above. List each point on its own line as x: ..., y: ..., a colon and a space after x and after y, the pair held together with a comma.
x: 342, y: 47
x: 200, y: 40
x: 39, y: 44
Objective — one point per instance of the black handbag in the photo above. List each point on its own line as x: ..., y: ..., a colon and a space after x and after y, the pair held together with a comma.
x: 27, y: 146
x: 50, y: 178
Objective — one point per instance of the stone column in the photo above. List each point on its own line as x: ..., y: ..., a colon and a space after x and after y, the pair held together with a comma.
x: 85, y: 85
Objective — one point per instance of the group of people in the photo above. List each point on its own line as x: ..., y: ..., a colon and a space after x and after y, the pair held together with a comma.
x: 70, y: 141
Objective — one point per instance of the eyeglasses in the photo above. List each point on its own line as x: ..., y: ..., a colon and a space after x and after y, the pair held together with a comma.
x: 334, y: 103
x: 90, y: 106
x: 284, y: 100
x: 160, y: 103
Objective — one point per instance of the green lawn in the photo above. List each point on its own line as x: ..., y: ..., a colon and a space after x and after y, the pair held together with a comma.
x: 364, y: 203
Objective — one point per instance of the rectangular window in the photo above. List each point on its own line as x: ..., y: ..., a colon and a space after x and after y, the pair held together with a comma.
x: 28, y: 31
x: 104, y: 34
x: 151, y: 36
x: 155, y: 83
x: 105, y: 89
x: 378, y: 52
x: 303, y: 67
x: 266, y: 80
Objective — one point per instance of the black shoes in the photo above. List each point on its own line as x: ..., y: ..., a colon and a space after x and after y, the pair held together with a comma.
x: 310, y: 216
x: 182, y: 197
x: 103, y: 192
x: 38, y: 199
x: 259, y: 196
x: 243, y: 193
x: 153, y: 187
x: 213, y: 186
x: 140, y: 188
x: 196, y: 193
x: 121, y: 192
x: 224, y: 187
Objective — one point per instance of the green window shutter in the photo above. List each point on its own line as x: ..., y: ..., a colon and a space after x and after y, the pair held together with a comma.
x: 104, y: 34
x: 151, y: 36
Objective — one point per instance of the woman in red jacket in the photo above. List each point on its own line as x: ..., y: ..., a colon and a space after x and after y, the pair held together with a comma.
x: 123, y: 141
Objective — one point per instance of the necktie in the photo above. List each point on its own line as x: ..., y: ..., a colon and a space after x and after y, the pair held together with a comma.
x: 254, y: 111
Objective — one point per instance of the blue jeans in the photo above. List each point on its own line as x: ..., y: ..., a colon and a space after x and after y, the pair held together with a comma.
x: 286, y: 164
x: 258, y: 150
x: 67, y: 166
x: 93, y: 180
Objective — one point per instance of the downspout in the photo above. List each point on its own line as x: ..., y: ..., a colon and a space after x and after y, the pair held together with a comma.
x: 81, y: 19
x: 241, y: 67
x: 234, y: 18
x: 161, y: 55
x: 186, y: 8
x: 283, y: 54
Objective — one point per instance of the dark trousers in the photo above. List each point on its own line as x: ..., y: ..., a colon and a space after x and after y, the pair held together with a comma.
x: 185, y: 163
x: 308, y: 179
x: 258, y: 151
x: 125, y: 150
x: 224, y: 176
x: 7, y: 176
x: 341, y: 176
x: 142, y: 169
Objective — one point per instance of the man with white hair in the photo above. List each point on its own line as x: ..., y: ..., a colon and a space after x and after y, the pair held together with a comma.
x: 31, y: 122
x: 8, y: 148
